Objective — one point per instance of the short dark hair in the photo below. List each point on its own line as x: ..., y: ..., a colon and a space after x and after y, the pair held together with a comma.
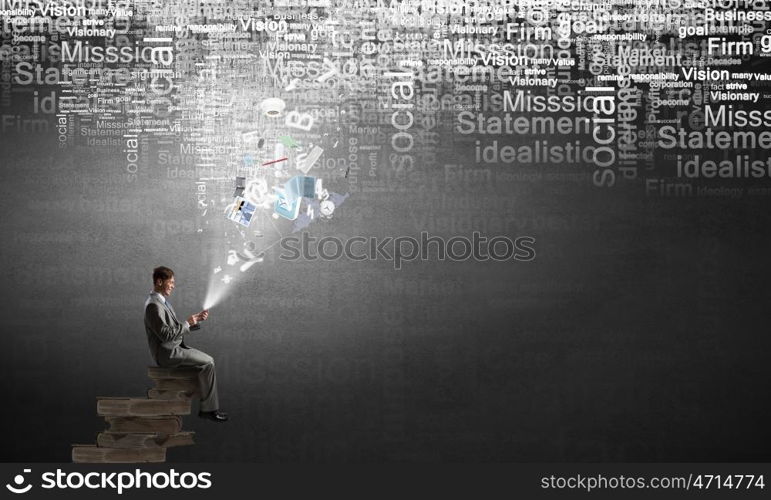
x: 162, y: 273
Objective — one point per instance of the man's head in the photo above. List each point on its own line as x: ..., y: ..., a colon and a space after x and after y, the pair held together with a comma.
x: 163, y: 280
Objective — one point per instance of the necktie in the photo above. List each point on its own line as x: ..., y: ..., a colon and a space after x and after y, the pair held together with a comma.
x: 168, y: 304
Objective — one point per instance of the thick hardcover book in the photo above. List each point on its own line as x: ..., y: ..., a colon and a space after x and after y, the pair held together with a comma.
x: 89, y: 453
x: 109, y: 439
x: 177, y: 384
x: 184, y: 373
x: 165, y: 425
x: 169, y: 395
x: 140, y: 407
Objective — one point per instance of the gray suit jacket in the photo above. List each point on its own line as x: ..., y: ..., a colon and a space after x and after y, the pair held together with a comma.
x: 164, y: 331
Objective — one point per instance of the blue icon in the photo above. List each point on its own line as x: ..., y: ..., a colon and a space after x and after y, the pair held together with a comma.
x: 242, y: 211
x: 290, y: 197
x: 287, y: 205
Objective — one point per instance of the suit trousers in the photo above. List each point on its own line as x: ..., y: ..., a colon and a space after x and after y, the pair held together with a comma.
x: 207, y: 375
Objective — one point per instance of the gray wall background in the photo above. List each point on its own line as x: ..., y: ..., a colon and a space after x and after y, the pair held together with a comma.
x: 638, y: 333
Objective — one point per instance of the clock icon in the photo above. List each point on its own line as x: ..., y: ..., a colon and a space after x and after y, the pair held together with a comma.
x: 327, y: 207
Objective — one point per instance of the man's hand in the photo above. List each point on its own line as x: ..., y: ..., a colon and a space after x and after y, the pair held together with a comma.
x: 198, y: 317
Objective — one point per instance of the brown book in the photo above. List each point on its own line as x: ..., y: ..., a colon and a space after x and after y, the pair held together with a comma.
x: 169, y: 395
x: 177, y: 384
x: 164, y: 425
x: 138, y: 407
x: 181, y: 373
x: 143, y: 439
x: 89, y: 453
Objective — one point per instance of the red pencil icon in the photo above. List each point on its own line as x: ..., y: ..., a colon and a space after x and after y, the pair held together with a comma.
x: 275, y: 161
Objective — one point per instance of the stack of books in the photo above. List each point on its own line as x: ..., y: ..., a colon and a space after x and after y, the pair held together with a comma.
x: 141, y: 429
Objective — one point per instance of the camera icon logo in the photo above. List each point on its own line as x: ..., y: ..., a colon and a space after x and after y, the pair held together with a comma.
x: 18, y: 480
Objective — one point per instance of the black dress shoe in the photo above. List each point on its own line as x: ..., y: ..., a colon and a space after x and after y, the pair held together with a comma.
x: 215, y: 415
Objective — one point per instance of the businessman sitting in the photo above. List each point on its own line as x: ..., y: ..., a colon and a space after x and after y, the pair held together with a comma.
x: 165, y: 336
